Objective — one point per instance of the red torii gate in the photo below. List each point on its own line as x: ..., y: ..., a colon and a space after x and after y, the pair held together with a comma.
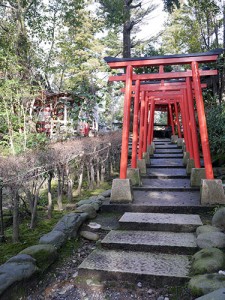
x: 184, y: 98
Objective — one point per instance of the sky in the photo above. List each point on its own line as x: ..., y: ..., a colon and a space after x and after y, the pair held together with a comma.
x: 155, y: 22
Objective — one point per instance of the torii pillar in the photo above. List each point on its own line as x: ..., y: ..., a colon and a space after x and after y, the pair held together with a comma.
x: 122, y: 188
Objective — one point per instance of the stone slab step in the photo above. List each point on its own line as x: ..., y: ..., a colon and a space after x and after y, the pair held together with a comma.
x: 168, y: 182
x: 165, y: 155
x: 168, y: 198
x: 166, y: 166
x: 172, y: 146
x: 165, y: 189
x: 157, y: 269
x: 155, y: 208
x: 167, y: 162
x: 165, y: 140
x: 160, y: 222
x: 169, y: 151
x: 157, y: 241
x: 165, y: 176
x: 166, y: 171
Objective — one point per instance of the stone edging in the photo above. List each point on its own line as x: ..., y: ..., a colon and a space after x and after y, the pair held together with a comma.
x: 208, y: 264
x: 39, y: 257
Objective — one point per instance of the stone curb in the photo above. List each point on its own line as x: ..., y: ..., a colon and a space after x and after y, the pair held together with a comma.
x: 30, y: 260
x: 209, y: 262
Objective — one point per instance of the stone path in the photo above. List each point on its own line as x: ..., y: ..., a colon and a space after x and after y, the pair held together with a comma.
x: 157, y: 231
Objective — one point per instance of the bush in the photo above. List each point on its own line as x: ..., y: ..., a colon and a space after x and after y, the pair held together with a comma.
x: 216, y: 129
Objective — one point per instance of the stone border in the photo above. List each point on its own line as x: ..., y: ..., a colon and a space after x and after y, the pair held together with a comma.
x: 37, y: 258
x: 208, y: 264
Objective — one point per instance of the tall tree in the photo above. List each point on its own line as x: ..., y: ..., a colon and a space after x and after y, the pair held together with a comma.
x: 169, y: 5
x: 193, y: 28
x: 125, y: 14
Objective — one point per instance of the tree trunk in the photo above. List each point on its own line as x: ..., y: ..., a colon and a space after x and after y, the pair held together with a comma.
x: 36, y: 197
x: 97, y: 171
x: 80, y: 180
x: 59, y: 190
x: 70, y: 183
x: 15, y: 236
x: 50, y: 206
x: 2, y: 234
x: 70, y: 189
x: 92, y: 171
x: 126, y: 41
x: 103, y: 172
x: 30, y: 198
x: 88, y: 176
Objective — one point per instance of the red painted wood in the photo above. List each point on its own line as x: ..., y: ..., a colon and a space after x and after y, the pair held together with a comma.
x: 177, y: 120
x: 168, y: 116
x: 202, y: 121
x: 152, y: 115
x: 184, y: 124
x: 165, y: 94
x: 167, y: 75
x: 193, y: 124
x: 149, y: 123
x: 171, y: 119
x: 135, y: 125
x: 141, y: 129
x: 163, y: 61
x: 186, y: 111
x: 126, y: 124
x: 166, y: 87
x: 145, y: 124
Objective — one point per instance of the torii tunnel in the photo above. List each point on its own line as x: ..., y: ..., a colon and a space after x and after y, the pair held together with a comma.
x: 177, y: 92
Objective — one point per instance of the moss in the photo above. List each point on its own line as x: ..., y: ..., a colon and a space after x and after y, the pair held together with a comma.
x: 30, y: 237
x: 69, y: 248
x: 44, y: 254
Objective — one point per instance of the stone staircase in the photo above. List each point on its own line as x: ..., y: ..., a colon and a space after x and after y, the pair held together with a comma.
x: 152, y: 243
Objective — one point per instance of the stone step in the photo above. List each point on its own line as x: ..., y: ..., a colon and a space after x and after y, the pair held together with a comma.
x: 172, y: 146
x: 160, y: 222
x: 166, y: 166
x: 164, y: 140
x: 168, y: 198
x: 165, y: 176
x: 165, y: 155
x: 155, y: 208
x: 165, y: 183
x: 167, y: 162
x: 158, y: 269
x: 166, y: 171
x: 164, y: 189
x: 171, y: 151
x: 157, y: 241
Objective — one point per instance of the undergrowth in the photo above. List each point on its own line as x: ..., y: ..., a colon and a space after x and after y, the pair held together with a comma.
x: 29, y: 237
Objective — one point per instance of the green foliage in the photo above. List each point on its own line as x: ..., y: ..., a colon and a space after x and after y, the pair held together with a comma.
x: 150, y: 50
x: 33, y: 140
x: 193, y: 28
x: 216, y: 128
x: 169, y: 5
